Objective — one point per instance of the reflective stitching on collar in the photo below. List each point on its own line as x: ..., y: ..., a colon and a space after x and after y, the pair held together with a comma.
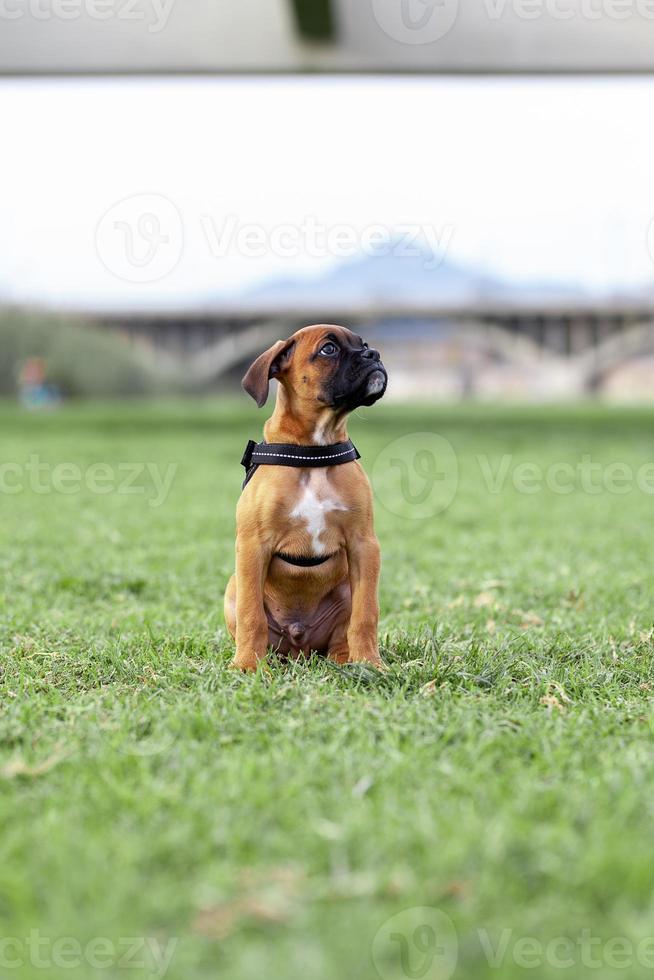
x: 291, y: 456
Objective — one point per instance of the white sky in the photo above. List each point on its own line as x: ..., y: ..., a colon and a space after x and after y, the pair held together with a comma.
x: 529, y: 178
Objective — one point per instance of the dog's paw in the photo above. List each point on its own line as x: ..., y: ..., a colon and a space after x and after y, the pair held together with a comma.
x: 247, y: 664
x: 339, y: 655
x: 370, y: 660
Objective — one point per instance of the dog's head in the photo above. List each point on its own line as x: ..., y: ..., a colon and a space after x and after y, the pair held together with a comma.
x: 327, y: 365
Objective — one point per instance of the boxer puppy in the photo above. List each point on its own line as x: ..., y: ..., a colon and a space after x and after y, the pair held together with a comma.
x: 291, y: 515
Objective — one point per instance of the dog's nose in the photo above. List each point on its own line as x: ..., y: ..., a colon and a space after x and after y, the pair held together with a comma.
x: 372, y: 354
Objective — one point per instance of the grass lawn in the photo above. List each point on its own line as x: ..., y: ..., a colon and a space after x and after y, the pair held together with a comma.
x: 493, y: 790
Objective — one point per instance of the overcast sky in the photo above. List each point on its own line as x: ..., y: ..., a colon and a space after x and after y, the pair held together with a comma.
x: 166, y: 191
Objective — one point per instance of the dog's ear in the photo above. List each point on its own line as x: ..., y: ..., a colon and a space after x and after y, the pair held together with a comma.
x: 268, y: 365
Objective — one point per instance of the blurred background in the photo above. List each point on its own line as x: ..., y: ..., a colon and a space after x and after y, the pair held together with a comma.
x: 467, y: 184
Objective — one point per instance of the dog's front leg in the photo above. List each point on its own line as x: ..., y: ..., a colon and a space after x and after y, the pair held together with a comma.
x: 364, y: 563
x: 252, y: 562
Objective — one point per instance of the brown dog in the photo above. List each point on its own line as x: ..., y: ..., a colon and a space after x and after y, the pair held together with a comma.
x: 307, y: 559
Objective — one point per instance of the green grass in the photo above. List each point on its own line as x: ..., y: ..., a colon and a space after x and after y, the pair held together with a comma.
x: 501, y: 771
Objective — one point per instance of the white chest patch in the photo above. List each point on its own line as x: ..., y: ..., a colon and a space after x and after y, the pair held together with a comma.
x: 313, y: 510
x: 319, y: 434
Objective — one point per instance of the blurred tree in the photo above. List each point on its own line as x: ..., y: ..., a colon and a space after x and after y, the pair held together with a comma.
x: 315, y: 19
x: 81, y: 361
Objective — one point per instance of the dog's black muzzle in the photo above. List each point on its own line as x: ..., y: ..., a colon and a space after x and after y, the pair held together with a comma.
x: 362, y: 380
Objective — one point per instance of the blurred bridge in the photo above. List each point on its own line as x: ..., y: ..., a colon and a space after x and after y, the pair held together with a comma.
x: 325, y: 36
x: 593, y: 338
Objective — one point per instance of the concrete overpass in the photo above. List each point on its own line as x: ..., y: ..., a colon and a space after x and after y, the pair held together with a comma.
x: 591, y: 337
x: 434, y: 36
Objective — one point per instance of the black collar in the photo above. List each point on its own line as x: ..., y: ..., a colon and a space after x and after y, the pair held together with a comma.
x: 287, y: 454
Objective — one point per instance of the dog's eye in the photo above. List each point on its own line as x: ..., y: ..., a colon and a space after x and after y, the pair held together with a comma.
x: 328, y: 349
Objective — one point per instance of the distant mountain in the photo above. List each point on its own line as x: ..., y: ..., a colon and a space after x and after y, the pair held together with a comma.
x: 371, y: 280
x: 398, y: 280
x: 394, y: 283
